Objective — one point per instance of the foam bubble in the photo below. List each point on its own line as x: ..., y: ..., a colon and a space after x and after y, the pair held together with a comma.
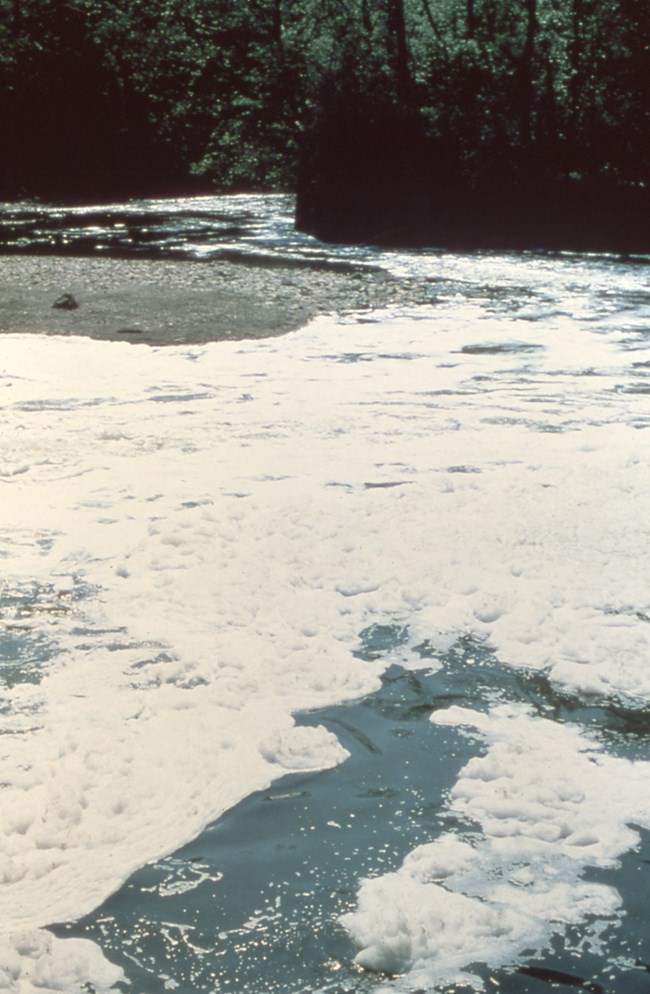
x: 34, y: 962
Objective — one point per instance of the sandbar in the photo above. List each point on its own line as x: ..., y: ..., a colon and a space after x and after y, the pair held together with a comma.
x: 172, y: 302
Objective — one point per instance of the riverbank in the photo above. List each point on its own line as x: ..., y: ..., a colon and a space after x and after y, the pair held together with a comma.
x: 169, y: 302
x: 405, y: 211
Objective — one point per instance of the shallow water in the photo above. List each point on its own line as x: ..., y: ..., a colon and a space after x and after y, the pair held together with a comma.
x: 244, y: 227
x: 325, y: 658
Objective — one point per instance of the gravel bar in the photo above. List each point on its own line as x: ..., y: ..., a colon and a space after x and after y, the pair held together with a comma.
x: 172, y: 302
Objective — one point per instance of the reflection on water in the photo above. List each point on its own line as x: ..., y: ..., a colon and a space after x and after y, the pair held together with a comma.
x: 29, y: 612
x: 245, y: 227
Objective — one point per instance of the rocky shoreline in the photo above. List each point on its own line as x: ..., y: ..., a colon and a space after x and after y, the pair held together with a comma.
x: 172, y: 302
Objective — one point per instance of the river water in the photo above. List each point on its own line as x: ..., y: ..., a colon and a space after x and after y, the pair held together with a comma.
x: 326, y: 658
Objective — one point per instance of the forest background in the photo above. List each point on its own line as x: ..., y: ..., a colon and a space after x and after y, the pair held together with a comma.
x: 120, y: 98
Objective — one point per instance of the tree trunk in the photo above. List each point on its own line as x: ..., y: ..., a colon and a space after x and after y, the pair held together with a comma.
x: 430, y: 18
x: 276, y: 29
x: 526, y: 78
x: 399, y: 51
x: 365, y: 17
x: 471, y: 19
x: 576, y: 84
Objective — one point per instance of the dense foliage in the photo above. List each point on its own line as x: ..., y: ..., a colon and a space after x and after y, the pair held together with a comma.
x: 133, y: 96
x: 500, y: 123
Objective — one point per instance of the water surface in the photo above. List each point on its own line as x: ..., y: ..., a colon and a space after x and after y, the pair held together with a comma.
x: 420, y: 535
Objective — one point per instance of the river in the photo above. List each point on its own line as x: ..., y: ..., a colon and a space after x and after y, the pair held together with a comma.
x: 326, y: 658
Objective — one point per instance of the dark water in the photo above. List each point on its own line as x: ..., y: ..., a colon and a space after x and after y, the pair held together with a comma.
x: 252, y: 905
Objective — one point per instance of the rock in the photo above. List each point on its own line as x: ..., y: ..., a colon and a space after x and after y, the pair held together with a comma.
x: 66, y: 302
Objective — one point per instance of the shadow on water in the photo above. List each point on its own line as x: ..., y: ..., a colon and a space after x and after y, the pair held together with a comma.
x: 252, y: 905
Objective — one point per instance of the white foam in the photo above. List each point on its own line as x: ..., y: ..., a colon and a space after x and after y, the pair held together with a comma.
x: 538, y: 797
x: 236, y: 514
x: 34, y: 961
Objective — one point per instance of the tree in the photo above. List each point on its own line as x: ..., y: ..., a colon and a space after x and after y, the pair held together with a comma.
x: 398, y: 51
x: 146, y: 94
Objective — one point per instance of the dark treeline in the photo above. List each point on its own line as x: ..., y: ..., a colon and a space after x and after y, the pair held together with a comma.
x: 397, y: 120
x: 140, y: 96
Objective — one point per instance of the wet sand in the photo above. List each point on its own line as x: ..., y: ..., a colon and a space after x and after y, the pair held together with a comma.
x: 169, y: 302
